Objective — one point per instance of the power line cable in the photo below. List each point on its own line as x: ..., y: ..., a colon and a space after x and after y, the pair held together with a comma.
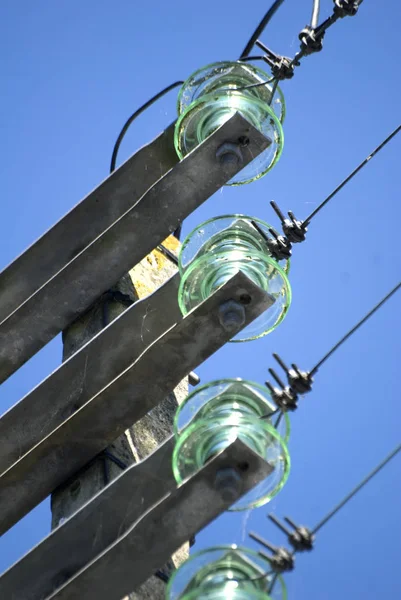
x: 124, y: 130
x: 300, y: 382
x: 351, y: 175
x: 354, y: 329
x: 295, y: 230
x: 302, y: 538
x: 261, y: 27
x: 134, y: 116
x: 356, y: 489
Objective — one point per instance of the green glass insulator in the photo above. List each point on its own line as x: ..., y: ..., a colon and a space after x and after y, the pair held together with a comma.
x: 225, y: 396
x: 214, y: 94
x: 216, y: 250
x: 204, y: 438
x: 231, y: 572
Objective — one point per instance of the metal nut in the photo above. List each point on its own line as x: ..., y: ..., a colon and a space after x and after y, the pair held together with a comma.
x: 228, y: 483
x: 229, y: 154
x: 231, y: 315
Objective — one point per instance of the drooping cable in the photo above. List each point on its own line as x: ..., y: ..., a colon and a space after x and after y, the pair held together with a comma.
x: 129, y: 122
x: 356, y: 489
x: 134, y: 116
x: 261, y: 27
x: 354, y: 329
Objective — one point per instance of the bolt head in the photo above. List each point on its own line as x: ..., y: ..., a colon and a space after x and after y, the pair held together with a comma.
x: 231, y: 315
x: 229, y: 154
x: 228, y: 483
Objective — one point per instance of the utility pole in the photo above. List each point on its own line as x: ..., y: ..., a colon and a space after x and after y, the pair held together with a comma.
x: 93, y: 433
x: 146, y: 434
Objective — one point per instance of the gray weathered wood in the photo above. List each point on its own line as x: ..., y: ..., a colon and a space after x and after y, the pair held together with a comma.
x: 88, y: 219
x: 75, y: 287
x: 125, y: 400
x: 149, y: 542
x: 101, y: 360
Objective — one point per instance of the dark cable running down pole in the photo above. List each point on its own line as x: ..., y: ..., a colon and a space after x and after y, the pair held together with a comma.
x: 133, y: 117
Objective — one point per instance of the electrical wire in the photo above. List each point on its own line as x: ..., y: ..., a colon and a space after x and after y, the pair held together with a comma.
x: 134, y: 116
x: 347, y: 179
x: 315, y: 14
x: 352, y: 331
x: 254, y: 85
x: 261, y: 27
x: 160, y: 575
x: 126, y: 126
x: 323, y: 521
x: 356, y: 489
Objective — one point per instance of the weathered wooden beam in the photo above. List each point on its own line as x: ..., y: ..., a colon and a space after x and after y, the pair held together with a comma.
x: 129, y: 239
x: 88, y: 219
x: 125, y: 400
x: 146, y: 540
x: 90, y: 369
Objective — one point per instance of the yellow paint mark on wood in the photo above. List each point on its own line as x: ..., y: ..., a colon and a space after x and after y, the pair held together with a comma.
x: 154, y: 269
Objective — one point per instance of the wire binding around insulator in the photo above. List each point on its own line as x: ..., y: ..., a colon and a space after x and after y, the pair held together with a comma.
x: 301, y: 538
x: 300, y: 382
x: 278, y: 246
x: 293, y: 229
x: 284, y: 399
x: 282, y: 67
x: 345, y: 8
x: 281, y: 560
x: 311, y: 40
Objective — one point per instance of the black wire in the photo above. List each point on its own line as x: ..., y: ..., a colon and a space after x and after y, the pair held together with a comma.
x: 115, y: 460
x: 253, y: 85
x: 168, y: 254
x: 261, y: 27
x: 347, y: 179
x: 277, y: 423
x: 162, y: 576
x: 356, y: 489
x: 273, y: 91
x: 315, y: 14
x: 124, y: 130
x: 273, y: 583
x: 133, y: 117
x: 361, y: 322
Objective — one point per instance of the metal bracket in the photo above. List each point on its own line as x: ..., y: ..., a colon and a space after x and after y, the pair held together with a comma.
x: 301, y: 539
x: 123, y: 401
x: 77, y: 560
x: 125, y: 242
x: 281, y: 559
x: 300, y: 382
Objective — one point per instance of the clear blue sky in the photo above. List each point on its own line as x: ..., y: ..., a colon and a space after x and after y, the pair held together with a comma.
x: 73, y: 71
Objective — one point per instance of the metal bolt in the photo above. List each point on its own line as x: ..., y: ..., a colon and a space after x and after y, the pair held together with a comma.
x: 228, y: 483
x: 231, y: 315
x: 229, y: 154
